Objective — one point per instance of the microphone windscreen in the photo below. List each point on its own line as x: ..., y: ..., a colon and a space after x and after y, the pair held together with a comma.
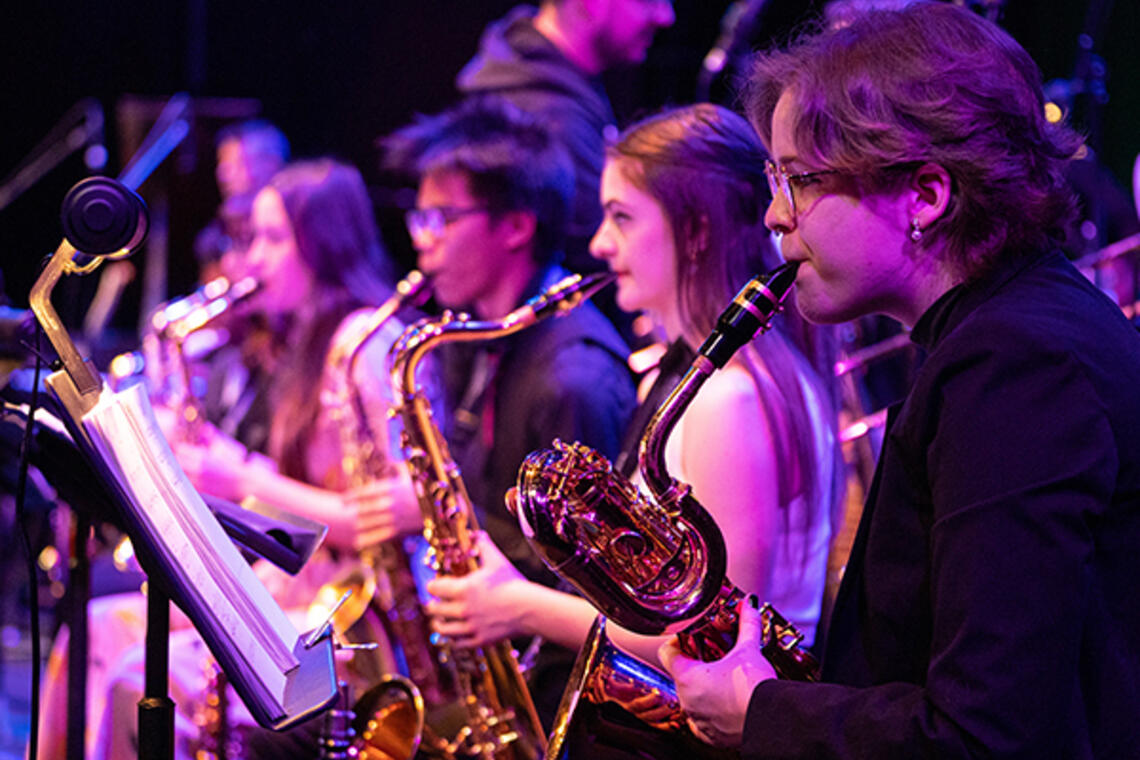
x: 102, y: 216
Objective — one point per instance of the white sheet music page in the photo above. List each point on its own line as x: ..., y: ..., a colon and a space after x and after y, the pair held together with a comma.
x: 122, y: 426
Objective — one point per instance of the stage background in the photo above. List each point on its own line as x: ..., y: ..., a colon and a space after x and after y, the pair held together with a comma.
x: 336, y: 75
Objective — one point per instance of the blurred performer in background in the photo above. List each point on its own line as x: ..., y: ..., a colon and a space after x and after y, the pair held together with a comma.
x: 249, y: 153
x: 683, y: 194
x: 323, y: 270
x: 548, y: 62
x: 236, y: 381
x: 489, y: 224
x: 989, y: 606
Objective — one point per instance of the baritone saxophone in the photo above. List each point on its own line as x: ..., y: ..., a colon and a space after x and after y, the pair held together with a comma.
x: 656, y: 564
x: 500, y: 721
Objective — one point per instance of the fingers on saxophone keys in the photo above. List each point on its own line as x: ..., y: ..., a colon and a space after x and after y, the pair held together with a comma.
x: 448, y: 618
x: 456, y: 632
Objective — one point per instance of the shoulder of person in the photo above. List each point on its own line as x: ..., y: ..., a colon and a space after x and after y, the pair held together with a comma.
x: 584, y: 327
x: 731, y: 390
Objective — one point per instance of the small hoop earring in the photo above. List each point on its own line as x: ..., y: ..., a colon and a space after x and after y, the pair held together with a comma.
x: 915, y: 230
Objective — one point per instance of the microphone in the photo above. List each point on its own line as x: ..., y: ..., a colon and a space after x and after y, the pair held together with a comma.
x: 736, y: 26
x: 715, y: 60
x: 101, y: 216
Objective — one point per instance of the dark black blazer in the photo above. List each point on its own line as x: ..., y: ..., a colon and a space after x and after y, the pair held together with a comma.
x: 990, y: 607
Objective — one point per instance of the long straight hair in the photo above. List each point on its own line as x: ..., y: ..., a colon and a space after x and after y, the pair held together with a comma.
x: 338, y: 241
x: 705, y: 165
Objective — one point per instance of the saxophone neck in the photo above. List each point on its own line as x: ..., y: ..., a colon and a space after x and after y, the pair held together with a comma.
x: 564, y: 295
x: 410, y: 291
x: 666, y: 489
x: 749, y: 313
x: 423, y: 337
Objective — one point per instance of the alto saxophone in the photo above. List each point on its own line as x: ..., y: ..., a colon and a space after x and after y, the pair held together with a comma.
x: 164, y: 344
x: 500, y: 720
x: 385, y: 590
x: 655, y: 565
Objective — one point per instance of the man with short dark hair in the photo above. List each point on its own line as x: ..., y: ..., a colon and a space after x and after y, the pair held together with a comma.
x: 489, y: 223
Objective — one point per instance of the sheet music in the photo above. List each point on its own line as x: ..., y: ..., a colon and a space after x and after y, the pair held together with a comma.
x: 123, y: 428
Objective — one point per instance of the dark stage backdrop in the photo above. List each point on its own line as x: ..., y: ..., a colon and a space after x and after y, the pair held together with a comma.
x: 335, y: 75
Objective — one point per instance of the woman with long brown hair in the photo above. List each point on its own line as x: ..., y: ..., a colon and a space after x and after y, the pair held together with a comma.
x: 317, y: 255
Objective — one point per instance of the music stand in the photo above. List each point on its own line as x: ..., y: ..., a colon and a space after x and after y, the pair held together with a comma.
x: 246, y: 632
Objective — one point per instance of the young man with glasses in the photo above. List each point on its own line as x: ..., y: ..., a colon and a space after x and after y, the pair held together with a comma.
x: 489, y: 224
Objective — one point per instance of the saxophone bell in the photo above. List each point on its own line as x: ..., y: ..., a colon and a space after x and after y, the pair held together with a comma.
x: 592, y: 527
x: 385, y: 723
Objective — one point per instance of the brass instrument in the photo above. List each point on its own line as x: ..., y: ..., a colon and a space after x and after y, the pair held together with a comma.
x: 164, y: 345
x: 385, y: 580
x: 653, y: 565
x: 216, y: 739
x: 386, y: 723
x: 385, y: 600
x: 500, y: 719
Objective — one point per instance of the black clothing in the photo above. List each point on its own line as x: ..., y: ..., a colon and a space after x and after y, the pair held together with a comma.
x: 515, y: 62
x: 989, y: 607
x: 518, y: 64
x: 564, y: 377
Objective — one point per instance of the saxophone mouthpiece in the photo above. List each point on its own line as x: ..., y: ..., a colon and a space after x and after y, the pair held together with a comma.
x: 782, y: 278
x: 749, y: 313
x: 567, y: 293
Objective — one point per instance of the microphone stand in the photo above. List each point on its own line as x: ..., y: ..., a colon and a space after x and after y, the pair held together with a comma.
x: 80, y: 127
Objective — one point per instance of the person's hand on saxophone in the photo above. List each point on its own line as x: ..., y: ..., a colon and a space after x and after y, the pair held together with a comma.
x: 715, y: 695
x: 384, y: 508
x: 484, y: 606
x: 219, y: 465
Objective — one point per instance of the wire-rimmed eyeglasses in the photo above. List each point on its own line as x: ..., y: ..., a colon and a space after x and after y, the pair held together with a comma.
x: 434, y: 220
x: 781, y: 183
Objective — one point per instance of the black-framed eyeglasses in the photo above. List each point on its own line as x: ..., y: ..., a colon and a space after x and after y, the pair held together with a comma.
x: 781, y: 183
x: 435, y: 219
